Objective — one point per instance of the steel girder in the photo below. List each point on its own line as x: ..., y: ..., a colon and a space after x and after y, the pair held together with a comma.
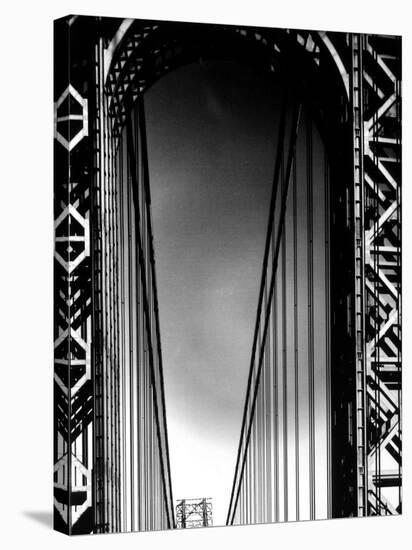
x: 87, y: 371
x: 73, y: 391
x: 379, y: 61
x: 369, y: 67
x: 376, y: 117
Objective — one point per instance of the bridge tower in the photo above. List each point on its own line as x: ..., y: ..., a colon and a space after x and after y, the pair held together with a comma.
x: 104, y: 258
x: 196, y: 512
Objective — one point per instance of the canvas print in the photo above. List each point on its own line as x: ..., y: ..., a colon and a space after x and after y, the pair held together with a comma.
x: 227, y: 275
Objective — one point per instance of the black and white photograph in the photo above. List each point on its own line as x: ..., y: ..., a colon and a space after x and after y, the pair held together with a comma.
x: 205, y: 275
x: 227, y: 275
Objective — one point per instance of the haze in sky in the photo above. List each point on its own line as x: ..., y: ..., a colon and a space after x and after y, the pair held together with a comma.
x: 211, y: 141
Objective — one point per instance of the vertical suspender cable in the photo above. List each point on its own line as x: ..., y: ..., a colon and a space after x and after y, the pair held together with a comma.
x: 148, y: 331
x: 122, y: 199
x: 112, y: 352
x: 280, y: 139
x: 116, y: 504
x: 140, y: 345
x: 113, y: 507
x: 296, y: 336
x: 276, y: 390
x: 168, y: 489
x: 292, y: 143
x: 269, y: 441
x: 254, y: 469
x: 310, y: 322
x: 284, y: 370
x: 249, y: 485
x: 118, y: 335
x: 257, y: 446
x: 131, y: 330
x: 109, y: 330
x: 327, y: 343
x: 268, y: 425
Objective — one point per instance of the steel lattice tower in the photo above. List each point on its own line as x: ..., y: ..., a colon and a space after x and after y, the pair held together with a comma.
x: 195, y: 512
x: 365, y: 341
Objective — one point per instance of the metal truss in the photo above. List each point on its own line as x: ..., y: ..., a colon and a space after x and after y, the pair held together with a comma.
x: 196, y: 512
x: 73, y: 389
x: 151, y: 49
x: 99, y: 80
x: 378, y: 60
x: 369, y: 68
x: 112, y: 468
x: 129, y: 278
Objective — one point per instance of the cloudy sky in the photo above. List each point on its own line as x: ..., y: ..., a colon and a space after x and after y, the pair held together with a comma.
x: 211, y: 139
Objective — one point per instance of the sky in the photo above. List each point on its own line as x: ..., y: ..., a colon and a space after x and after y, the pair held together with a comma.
x: 211, y: 140
x: 211, y: 130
